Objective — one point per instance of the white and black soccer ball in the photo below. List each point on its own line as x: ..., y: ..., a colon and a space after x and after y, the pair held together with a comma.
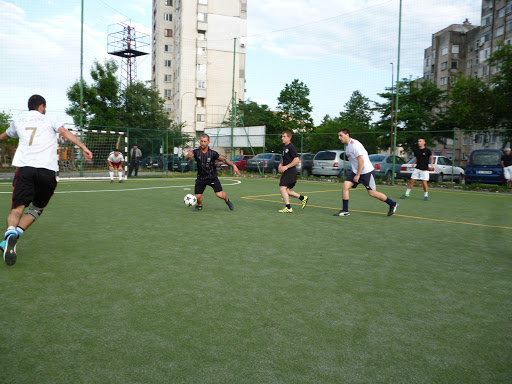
x: 190, y: 200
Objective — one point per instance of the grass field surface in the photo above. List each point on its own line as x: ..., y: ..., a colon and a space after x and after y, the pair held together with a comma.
x: 122, y: 283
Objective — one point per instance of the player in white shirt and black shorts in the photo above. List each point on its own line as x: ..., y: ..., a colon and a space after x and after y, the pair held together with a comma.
x: 115, y: 163
x: 362, y: 172
x: 36, y: 163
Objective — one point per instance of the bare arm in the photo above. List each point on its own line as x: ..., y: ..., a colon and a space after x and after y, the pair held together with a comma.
x: 230, y: 163
x: 70, y: 137
x: 293, y: 163
x: 4, y: 136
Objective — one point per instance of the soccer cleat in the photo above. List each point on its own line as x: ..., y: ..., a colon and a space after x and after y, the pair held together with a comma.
x: 286, y: 210
x: 426, y: 198
x: 111, y: 181
x: 230, y: 205
x: 2, y: 246
x: 197, y: 208
x: 10, y: 250
x: 304, y: 202
x: 120, y: 181
x: 404, y: 196
x: 392, y: 209
x: 342, y: 213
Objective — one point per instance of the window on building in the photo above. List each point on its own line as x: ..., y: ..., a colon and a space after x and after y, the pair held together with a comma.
x: 493, y: 138
x: 444, y: 51
x: 466, y: 140
x: 433, y: 54
x: 167, y: 78
x: 453, y: 80
x: 168, y: 108
x: 444, y: 65
x: 201, y: 16
x: 443, y: 80
x: 485, y: 70
x: 455, y: 65
x: 509, y: 26
x: 500, y: 31
x: 201, y: 84
x: 167, y: 63
x: 455, y: 48
x: 485, y: 54
x: 427, y: 62
x: 486, y: 37
x: 426, y: 75
x: 509, y: 7
x: 479, y: 139
x: 201, y: 68
x: 168, y: 2
x: 168, y: 93
x: 168, y: 16
x: 201, y: 35
x: 200, y: 117
x: 469, y: 63
x: 168, y: 32
x: 501, y: 12
x: 487, y: 19
x: 168, y: 48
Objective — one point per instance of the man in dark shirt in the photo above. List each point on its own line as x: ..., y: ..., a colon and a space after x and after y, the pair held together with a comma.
x: 506, y: 163
x: 289, y: 171
x: 422, y: 158
x: 207, y: 172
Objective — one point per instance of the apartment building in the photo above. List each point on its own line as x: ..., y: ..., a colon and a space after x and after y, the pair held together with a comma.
x: 463, y: 48
x: 198, y: 56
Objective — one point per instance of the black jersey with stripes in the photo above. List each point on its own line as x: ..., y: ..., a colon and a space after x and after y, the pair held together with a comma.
x: 206, y: 168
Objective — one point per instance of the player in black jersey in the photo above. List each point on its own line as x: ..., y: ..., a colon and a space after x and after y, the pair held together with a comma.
x: 207, y: 172
x: 289, y: 171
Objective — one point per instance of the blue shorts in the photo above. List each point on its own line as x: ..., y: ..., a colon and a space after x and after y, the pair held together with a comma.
x: 367, y: 179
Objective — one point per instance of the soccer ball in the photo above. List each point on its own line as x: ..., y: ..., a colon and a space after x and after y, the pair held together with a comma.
x: 190, y: 200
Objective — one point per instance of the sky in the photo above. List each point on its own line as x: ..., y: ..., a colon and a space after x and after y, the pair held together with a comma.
x: 334, y: 47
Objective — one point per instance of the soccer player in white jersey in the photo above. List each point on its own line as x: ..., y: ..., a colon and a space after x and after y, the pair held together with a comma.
x: 362, y: 172
x: 115, y: 162
x: 36, y: 163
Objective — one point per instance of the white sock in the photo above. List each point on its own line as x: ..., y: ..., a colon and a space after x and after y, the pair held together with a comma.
x: 426, y: 194
x: 111, y: 175
x: 20, y: 231
x: 120, y: 175
x: 407, y: 192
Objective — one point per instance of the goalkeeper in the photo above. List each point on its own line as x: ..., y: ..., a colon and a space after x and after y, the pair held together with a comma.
x: 115, y: 165
x: 36, y: 160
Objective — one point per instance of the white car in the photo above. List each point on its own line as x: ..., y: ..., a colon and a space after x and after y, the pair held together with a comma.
x: 443, y: 170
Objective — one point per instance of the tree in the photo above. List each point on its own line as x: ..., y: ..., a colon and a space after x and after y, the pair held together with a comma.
x: 415, y: 114
x: 8, y: 146
x: 295, y: 107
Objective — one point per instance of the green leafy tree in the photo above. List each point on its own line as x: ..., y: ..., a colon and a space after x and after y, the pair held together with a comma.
x: 295, y: 107
x: 8, y: 146
x: 415, y: 114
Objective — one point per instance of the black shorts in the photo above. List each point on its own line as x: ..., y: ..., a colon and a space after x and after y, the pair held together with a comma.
x: 289, y: 179
x: 33, y: 185
x: 201, y: 185
x: 367, y: 179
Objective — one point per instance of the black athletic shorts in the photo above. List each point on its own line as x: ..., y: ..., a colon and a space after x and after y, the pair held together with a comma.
x: 201, y: 185
x: 33, y: 185
x: 288, y: 179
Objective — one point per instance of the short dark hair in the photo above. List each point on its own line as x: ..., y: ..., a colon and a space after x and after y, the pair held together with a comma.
x: 35, y: 101
x: 117, y: 150
x: 421, y: 138
x: 287, y: 133
x: 205, y: 135
x: 135, y: 145
x: 345, y: 131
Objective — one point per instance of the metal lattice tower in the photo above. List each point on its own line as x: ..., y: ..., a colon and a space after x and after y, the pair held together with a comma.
x: 127, y: 44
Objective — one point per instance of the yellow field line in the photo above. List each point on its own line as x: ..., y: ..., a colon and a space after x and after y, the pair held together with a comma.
x: 378, y: 213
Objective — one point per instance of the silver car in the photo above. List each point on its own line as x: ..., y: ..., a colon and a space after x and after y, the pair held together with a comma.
x: 443, y: 170
x: 330, y: 163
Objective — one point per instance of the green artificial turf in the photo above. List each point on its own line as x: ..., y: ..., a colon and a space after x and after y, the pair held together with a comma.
x: 124, y: 284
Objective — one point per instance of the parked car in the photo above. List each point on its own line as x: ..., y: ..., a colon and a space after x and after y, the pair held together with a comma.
x: 267, y: 162
x: 176, y: 163
x: 305, y: 164
x: 152, y: 162
x: 221, y: 166
x: 383, y: 165
x: 484, y: 166
x: 330, y: 163
x: 443, y: 169
x: 241, y: 161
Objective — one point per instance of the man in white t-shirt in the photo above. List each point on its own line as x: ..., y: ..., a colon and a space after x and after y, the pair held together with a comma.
x: 36, y: 160
x: 115, y: 163
x: 362, y: 172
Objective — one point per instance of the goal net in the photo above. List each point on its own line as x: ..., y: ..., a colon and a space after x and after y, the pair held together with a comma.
x: 101, y: 143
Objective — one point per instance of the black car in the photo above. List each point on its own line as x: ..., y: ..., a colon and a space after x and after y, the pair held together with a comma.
x: 305, y: 164
x: 176, y: 163
x: 266, y: 162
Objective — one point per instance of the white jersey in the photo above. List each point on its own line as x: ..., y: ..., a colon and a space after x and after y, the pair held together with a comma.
x: 115, y: 159
x: 355, y: 149
x: 38, y: 141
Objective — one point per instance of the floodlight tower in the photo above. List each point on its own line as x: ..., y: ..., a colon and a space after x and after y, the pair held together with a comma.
x: 127, y: 44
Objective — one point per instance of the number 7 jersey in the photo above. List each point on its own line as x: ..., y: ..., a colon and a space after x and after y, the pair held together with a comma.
x: 38, y: 141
